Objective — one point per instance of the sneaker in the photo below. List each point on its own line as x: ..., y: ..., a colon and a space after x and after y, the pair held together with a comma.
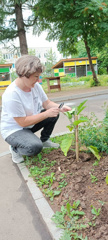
x: 16, y: 157
x: 49, y: 144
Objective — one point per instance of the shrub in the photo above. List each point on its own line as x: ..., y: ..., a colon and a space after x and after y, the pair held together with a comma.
x: 85, y: 79
x: 95, y: 133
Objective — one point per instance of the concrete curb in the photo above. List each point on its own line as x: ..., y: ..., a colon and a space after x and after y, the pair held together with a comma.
x: 41, y: 203
x: 77, y: 96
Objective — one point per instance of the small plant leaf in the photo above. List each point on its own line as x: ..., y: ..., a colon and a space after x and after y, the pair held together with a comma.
x: 94, y: 150
x: 106, y: 179
x: 80, y: 107
x: 65, y: 145
x: 70, y: 128
x: 68, y: 207
x: 80, y: 120
x: 56, y: 193
x: 66, y: 235
x: 75, y: 204
x: 69, y: 114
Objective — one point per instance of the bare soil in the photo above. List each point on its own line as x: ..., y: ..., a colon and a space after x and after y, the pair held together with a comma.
x: 80, y: 187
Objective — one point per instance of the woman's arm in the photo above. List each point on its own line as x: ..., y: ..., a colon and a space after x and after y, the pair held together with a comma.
x: 52, y: 110
x: 31, y: 120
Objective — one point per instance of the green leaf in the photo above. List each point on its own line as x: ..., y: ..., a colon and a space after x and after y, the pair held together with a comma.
x: 68, y: 207
x: 70, y: 114
x: 65, y: 145
x: 106, y: 179
x: 75, y: 204
x: 80, y: 107
x: 66, y: 235
x: 80, y: 120
x: 56, y: 193
x: 70, y: 128
x: 94, y: 150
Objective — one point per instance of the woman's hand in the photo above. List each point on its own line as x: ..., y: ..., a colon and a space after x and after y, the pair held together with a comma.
x: 52, y: 112
x: 65, y: 109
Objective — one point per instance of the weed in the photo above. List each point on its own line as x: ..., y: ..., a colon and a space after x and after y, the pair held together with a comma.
x: 51, y: 193
x: 70, y: 220
x: 101, y: 202
x: 63, y: 176
x: 62, y: 184
x: 106, y: 179
x: 93, y: 178
x: 95, y: 212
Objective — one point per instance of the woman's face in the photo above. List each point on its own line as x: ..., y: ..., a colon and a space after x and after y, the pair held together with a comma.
x: 30, y: 82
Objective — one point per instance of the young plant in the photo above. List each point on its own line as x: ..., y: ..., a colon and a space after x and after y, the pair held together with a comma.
x: 93, y: 178
x: 95, y: 212
x: 71, y: 221
x: 73, y: 127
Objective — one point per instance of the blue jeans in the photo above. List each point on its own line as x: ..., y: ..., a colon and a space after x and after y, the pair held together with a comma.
x: 26, y: 142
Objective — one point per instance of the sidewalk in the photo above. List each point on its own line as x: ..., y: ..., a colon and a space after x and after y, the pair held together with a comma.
x: 25, y: 214
x: 19, y: 216
x: 76, y: 93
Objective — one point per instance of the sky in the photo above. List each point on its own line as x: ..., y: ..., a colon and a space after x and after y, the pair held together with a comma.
x: 35, y: 41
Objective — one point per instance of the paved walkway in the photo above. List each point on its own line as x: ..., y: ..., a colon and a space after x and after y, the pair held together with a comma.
x: 24, y: 214
x: 19, y: 216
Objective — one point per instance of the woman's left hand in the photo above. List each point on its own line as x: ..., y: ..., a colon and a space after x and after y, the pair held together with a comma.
x: 65, y: 109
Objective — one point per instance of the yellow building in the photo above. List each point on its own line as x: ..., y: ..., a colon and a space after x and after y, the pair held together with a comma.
x: 5, y: 75
x: 75, y: 67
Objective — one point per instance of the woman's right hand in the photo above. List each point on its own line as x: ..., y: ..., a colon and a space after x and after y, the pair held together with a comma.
x: 52, y: 112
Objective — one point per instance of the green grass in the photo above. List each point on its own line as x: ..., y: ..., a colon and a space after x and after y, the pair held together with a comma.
x: 103, y: 80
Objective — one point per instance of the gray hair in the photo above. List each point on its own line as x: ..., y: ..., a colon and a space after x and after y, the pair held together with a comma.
x: 27, y: 65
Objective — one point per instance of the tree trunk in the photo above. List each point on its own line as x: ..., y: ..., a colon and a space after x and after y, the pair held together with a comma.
x: 91, y: 65
x: 21, y: 30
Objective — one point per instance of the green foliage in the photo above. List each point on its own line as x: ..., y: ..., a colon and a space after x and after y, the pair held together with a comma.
x: 103, y: 60
x: 67, y: 142
x: 93, y: 178
x: 31, y: 52
x: 106, y: 179
x: 80, y: 108
x: 85, y: 79
x: 2, y: 60
x: 93, y: 133
x: 94, y: 150
x: 50, y: 61
x: 40, y: 170
x: 13, y: 76
x: 13, y: 23
x: 95, y: 212
x: 93, y: 83
x: 86, y: 20
x: 73, y: 223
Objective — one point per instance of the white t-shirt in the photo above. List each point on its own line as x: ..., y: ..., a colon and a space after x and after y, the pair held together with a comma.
x: 17, y: 103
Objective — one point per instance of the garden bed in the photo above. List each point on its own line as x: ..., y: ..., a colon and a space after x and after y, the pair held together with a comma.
x: 74, y: 186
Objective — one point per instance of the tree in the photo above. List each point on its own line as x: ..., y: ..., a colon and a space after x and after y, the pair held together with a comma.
x: 2, y: 60
x: 50, y: 61
x: 71, y: 20
x: 103, y: 59
x: 12, y: 22
x: 81, y: 50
